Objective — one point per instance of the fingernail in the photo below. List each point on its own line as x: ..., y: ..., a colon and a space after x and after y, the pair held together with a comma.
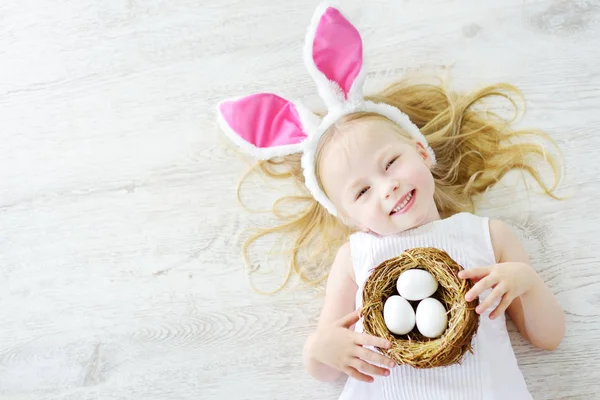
x: 467, y: 297
x: 388, y: 345
x: 386, y: 373
x: 391, y: 364
x: 478, y: 310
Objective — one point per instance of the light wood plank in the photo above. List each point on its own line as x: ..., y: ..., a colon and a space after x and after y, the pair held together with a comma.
x: 120, y: 273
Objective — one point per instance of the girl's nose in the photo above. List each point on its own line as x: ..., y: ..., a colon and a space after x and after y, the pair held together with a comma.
x: 390, y: 187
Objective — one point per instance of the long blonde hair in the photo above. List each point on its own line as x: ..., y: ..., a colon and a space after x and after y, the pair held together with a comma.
x: 474, y: 149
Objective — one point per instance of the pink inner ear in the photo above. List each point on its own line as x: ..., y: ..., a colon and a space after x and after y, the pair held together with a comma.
x: 264, y: 120
x: 337, y: 49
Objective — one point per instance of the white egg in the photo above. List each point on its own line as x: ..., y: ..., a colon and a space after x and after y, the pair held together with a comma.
x: 398, y: 315
x: 416, y: 284
x: 431, y: 318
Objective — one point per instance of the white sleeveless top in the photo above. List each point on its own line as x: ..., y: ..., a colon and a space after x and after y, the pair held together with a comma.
x: 488, y: 374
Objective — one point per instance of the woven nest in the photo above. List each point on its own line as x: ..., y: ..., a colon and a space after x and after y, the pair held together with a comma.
x: 413, y: 348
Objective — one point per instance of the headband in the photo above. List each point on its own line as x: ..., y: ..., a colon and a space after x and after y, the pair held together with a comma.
x: 265, y: 125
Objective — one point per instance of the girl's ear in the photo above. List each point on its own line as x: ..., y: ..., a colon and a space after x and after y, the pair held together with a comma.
x: 424, y: 154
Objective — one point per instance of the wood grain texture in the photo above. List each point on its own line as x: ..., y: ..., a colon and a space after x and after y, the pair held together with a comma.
x: 120, y: 274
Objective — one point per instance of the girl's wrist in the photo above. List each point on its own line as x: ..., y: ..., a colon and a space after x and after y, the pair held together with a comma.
x: 536, y: 286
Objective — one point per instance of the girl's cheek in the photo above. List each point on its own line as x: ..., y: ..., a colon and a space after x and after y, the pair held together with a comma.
x: 426, y: 174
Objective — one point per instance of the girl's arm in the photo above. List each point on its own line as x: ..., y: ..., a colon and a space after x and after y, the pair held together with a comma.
x: 536, y: 313
x: 524, y: 295
x: 339, y: 301
x: 334, y: 348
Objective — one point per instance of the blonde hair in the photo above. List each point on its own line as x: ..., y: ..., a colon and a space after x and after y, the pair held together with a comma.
x: 474, y: 149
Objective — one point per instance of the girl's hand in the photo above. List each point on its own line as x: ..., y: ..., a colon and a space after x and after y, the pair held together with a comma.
x: 509, y: 280
x: 339, y: 347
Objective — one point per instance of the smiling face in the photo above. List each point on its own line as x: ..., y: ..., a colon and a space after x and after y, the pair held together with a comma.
x: 377, y: 178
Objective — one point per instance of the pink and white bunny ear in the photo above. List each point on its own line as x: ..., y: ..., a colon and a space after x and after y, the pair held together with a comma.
x: 334, y: 57
x: 265, y: 125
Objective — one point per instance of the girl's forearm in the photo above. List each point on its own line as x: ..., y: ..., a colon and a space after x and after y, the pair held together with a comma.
x: 316, y: 369
x: 544, y: 318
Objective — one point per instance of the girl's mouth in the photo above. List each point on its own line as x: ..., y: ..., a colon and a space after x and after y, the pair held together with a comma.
x: 404, y: 203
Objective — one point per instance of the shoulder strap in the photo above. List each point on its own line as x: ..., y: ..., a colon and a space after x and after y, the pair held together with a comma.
x: 360, y: 250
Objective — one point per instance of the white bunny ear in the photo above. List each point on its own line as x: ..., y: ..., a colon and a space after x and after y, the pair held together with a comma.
x: 334, y: 58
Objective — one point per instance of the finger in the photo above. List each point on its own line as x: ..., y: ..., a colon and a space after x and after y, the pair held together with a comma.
x: 506, y: 301
x: 496, y: 294
x: 374, y: 357
x: 370, y: 369
x: 350, y: 319
x: 474, y: 273
x: 480, y: 287
x: 369, y: 340
x: 353, y: 372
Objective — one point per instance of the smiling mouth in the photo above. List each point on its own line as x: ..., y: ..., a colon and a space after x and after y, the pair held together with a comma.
x: 405, y: 201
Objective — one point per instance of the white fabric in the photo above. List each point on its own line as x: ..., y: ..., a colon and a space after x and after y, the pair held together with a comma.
x: 491, y: 372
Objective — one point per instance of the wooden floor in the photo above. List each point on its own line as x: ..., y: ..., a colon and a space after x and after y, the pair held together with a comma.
x: 120, y: 274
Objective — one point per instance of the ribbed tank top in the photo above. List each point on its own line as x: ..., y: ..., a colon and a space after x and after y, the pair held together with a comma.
x: 491, y: 372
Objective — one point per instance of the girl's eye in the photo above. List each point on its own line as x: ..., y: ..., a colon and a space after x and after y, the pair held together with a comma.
x: 362, y: 191
x: 391, y: 162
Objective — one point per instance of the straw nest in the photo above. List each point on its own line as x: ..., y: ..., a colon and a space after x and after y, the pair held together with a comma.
x: 413, y: 348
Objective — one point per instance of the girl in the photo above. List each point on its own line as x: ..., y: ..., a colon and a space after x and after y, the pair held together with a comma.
x: 388, y: 173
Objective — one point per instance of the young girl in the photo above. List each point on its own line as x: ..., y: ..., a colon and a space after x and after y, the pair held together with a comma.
x: 386, y: 174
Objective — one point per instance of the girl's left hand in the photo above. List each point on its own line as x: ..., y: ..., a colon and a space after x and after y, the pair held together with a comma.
x: 509, y: 280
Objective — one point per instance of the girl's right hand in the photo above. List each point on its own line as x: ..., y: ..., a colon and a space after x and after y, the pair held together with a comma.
x: 339, y: 347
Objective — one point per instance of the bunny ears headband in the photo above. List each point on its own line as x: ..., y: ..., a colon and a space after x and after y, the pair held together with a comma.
x: 265, y: 125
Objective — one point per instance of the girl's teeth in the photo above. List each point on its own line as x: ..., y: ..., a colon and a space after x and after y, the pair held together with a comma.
x: 401, y: 205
